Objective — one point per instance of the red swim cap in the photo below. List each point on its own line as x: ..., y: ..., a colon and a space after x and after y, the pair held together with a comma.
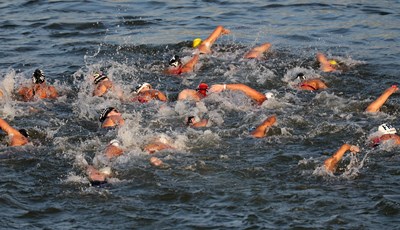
x: 202, y: 86
x: 202, y: 89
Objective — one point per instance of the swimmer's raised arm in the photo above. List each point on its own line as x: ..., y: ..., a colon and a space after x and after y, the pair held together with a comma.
x: 205, y: 46
x: 250, y: 92
x: 377, y: 104
x: 256, y: 52
x: 332, y: 162
x: 260, y: 131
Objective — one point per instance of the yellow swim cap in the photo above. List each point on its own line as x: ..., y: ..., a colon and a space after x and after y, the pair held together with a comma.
x: 332, y: 62
x: 196, y: 42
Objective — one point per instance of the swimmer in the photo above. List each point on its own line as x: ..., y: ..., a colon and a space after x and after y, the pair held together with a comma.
x: 176, y: 67
x: 256, y: 52
x: 39, y: 89
x: 332, y: 162
x: 98, y: 177
x: 385, y: 133
x: 328, y: 65
x: 17, y: 137
x: 250, y: 92
x: 145, y: 93
x: 110, y: 117
x: 377, y: 104
x: 205, y: 46
x: 196, y: 122
x: 156, y: 146
x: 113, y: 149
x: 310, y: 84
x: 261, y: 130
x: 103, y: 85
x: 195, y: 95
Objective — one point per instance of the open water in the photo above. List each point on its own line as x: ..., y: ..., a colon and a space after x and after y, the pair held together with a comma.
x: 218, y: 177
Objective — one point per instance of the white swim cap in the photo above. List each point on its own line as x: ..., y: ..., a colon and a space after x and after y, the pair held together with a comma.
x: 141, y: 86
x: 115, y: 142
x: 386, y: 129
x: 269, y: 95
x: 105, y: 171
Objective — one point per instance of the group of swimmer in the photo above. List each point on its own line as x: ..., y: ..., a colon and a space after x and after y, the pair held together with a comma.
x: 143, y: 93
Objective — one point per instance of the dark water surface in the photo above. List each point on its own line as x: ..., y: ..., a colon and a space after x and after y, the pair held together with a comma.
x: 219, y: 177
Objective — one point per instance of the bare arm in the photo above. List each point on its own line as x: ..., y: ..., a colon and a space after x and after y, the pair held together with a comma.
x: 324, y: 63
x: 260, y: 131
x: 256, y: 52
x: 52, y: 92
x: 205, y: 46
x: 250, y: 92
x: 156, y: 146
x: 332, y: 162
x: 189, y: 94
x: 7, y: 128
x: 17, y: 139
x: 189, y: 66
x: 26, y: 93
x: 377, y: 104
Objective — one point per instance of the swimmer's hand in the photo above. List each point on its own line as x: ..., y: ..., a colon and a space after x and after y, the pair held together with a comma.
x: 393, y: 89
x: 354, y: 149
x: 225, y: 31
x: 217, y: 88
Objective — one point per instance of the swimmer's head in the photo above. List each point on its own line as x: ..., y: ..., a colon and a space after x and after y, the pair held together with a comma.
x: 115, y: 143
x: 202, y: 88
x: 98, y: 77
x: 196, y: 42
x: 192, y: 120
x: 269, y: 95
x: 105, y: 113
x: 386, y: 129
x: 175, y: 61
x: 106, y: 171
x: 140, y: 87
x: 333, y: 62
x: 38, y: 77
x: 24, y: 132
x: 300, y: 77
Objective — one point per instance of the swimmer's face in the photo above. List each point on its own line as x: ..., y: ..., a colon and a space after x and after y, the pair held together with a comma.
x: 145, y: 88
x: 113, y: 113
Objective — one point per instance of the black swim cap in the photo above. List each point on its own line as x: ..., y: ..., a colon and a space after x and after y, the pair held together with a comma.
x: 38, y: 76
x: 189, y: 120
x: 24, y: 132
x: 175, y: 61
x: 141, y: 86
x: 98, y: 77
x: 105, y: 112
x: 300, y: 76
